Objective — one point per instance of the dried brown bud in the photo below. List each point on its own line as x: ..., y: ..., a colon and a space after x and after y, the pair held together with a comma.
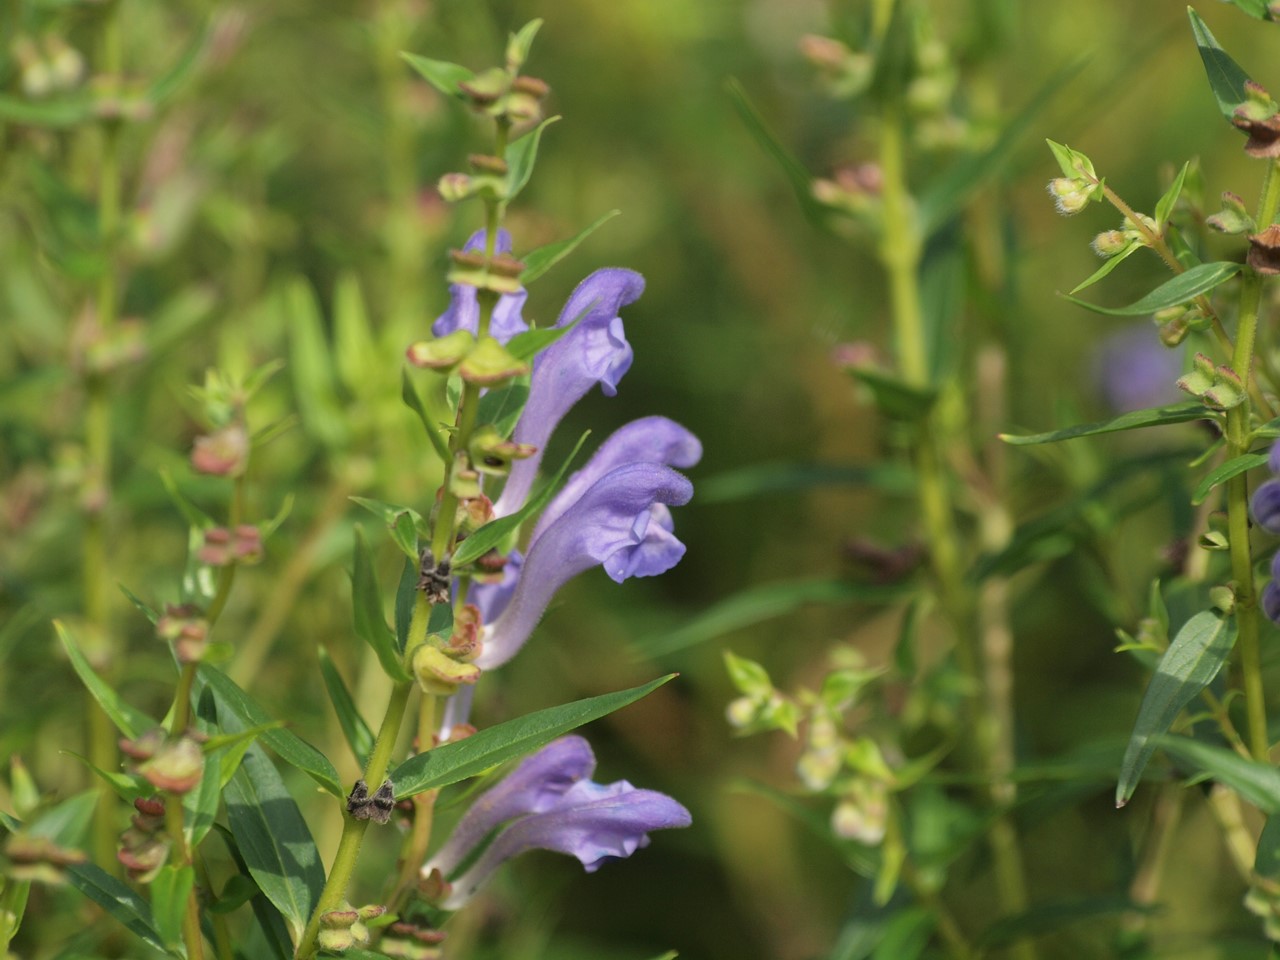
x: 1264, y: 135
x: 531, y: 86
x: 1264, y: 250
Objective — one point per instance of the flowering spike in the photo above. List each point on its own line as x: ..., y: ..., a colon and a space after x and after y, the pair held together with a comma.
x: 464, y: 307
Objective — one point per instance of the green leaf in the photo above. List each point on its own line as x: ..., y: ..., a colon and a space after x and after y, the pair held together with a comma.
x: 519, y: 43
x: 495, y: 531
x: 402, y: 522
x: 501, y: 407
x: 354, y: 351
x: 1258, y: 783
x: 141, y: 604
x: 171, y: 81
x: 537, y: 262
x: 1232, y: 468
x: 1054, y: 915
x: 895, y: 398
x: 441, y: 74
x: 894, y: 58
x: 765, y: 602
x: 800, y: 179
x: 1258, y: 9
x: 906, y: 934
x: 64, y: 112
x: 311, y: 365
x: 1111, y: 263
x: 770, y: 479
x: 274, y: 840
x: 1226, y: 78
x: 128, y: 720
x: 194, y: 516
x: 67, y: 823
x: 1197, y: 281
x: 515, y: 738
x: 370, y: 621
x: 1266, y: 861
x: 359, y: 736
x: 1133, y: 420
x: 413, y: 400
x: 128, y: 788
x: 291, y: 748
x: 526, y: 345
x: 169, y: 892
x: 118, y: 900
x: 521, y: 156
x: 1193, y: 659
x: 406, y: 599
x: 1164, y: 206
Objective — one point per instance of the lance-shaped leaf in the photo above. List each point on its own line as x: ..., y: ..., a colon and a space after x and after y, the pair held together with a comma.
x: 1193, y: 659
x: 128, y: 720
x: 495, y: 531
x: 274, y: 840
x: 117, y: 899
x: 359, y: 736
x: 1232, y: 468
x: 1258, y: 783
x: 1226, y: 77
x: 537, y: 262
x: 169, y: 892
x: 507, y: 741
x: 441, y: 74
x: 1134, y: 420
x: 402, y: 523
x: 291, y: 748
x: 800, y: 179
x: 370, y: 621
x: 521, y: 157
x: 1195, y: 282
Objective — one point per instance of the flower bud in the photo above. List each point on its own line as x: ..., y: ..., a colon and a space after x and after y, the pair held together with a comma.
x: 492, y: 454
x: 490, y: 364
x: 454, y: 187
x: 177, y: 767
x: 439, y: 673
x: 1233, y: 218
x: 223, y: 453
x: 1069, y: 196
x: 487, y: 164
x: 863, y: 813
x: 1110, y: 242
x: 443, y: 353
x: 216, y: 551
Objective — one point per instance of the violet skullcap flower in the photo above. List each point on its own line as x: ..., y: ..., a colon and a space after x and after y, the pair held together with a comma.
x: 464, y: 307
x: 1273, y: 460
x: 552, y: 806
x: 1265, y: 506
x: 1270, y: 601
x: 647, y: 440
x: 594, y: 351
x: 619, y: 522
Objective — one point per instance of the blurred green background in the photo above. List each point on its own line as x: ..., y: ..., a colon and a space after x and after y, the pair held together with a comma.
x: 300, y: 155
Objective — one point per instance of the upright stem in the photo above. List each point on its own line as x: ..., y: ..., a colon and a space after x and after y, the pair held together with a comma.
x: 96, y: 571
x: 1239, y: 436
x: 900, y: 252
x: 414, y: 852
x: 353, y: 830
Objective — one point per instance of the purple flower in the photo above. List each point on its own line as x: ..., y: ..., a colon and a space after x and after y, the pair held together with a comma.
x: 1135, y: 370
x: 647, y: 440
x: 464, y: 309
x: 1265, y: 506
x: 621, y: 522
x: 547, y: 802
x: 1273, y: 459
x: 594, y: 351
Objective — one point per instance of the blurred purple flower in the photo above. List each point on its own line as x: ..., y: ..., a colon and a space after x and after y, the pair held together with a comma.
x: 1134, y: 370
x: 464, y: 308
x: 594, y: 351
x: 620, y: 522
x: 548, y: 803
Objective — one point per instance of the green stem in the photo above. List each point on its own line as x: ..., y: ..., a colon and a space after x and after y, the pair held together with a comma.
x: 1239, y: 437
x: 353, y: 830
x: 96, y: 570
x: 900, y: 253
x: 414, y: 851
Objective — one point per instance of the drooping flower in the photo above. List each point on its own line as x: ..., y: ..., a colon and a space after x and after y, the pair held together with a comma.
x: 548, y: 803
x: 1264, y: 507
x: 594, y: 351
x: 620, y: 522
x: 1134, y: 370
x: 463, y: 312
